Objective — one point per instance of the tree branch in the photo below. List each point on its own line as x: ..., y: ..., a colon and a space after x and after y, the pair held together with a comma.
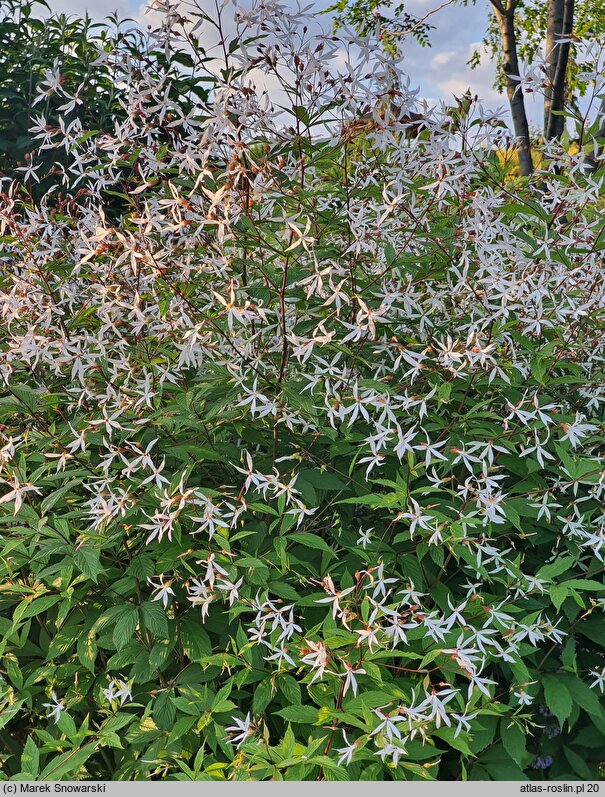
x: 499, y: 8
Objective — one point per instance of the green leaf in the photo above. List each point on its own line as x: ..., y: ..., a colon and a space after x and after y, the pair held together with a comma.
x: 54, y: 497
x: 322, y: 480
x: 457, y: 742
x: 586, y: 698
x: 309, y: 540
x: 159, y: 653
x: 63, y: 641
x: 263, y: 692
x: 143, y: 732
x: 556, y: 568
x: 141, y: 567
x: 373, y: 500
x: 568, y: 655
x: 578, y: 764
x: 592, y: 628
x: 87, y: 650
x: 305, y: 715
x: 557, y: 697
x: 32, y: 608
x: 290, y: 688
x: 558, y: 594
x: 30, y: 758
x: 513, y: 740
x: 154, y: 619
x: 499, y: 765
x: 11, y: 664
x: 164, y: 712
x: 539, y: 368
x: 88, y: 561
x: 186, y: 451
x: 125, y: 627
x: 68, y: 763
x: 182, y: 726
x: 26, y: 396
x: 283, y: 590
x: 194, y: 639
x: 587, y: 584
x: 117, y: 722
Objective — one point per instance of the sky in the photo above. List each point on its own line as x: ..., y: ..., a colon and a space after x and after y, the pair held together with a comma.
x: 440, y: 71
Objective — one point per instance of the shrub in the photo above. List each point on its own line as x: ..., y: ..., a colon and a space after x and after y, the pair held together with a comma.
x: 302, y: 450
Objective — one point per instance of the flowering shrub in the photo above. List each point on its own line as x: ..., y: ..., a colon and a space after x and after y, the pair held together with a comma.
x: 301, y: 445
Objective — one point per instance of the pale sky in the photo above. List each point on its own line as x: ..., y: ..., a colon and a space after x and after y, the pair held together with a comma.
x: 440, y: 71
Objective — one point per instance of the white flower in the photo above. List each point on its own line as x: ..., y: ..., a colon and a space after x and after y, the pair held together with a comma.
x: 378, y: 582
x: 480, y: 683
x: 522, y: 697
x: 544, y: 506
x: 56, y: 707
x: 241, y: 730
x: 346, y: 753
x: 574, y: 432
x: 387, y: 726
x: 17, y: 493
x: 117, y: 690
x: 198, y: 594
x: 393, y: 750
x: 463, y: 721
x: 300, y: 238
x: 279, y: 654
x: 232, y: 588
x: 599, y: 679
x: 349, y: 676
x: 7, y: 452
x: 368, y: 634
x: 436, y: 701
x: 163, y: 590
x: 316, y: 657
x: 335, y: 596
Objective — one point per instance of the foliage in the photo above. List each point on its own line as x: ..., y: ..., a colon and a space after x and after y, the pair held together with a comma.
x: 388, y: 21
x: 31, y: 49
x: 302, y: 469
x: 57, y: 69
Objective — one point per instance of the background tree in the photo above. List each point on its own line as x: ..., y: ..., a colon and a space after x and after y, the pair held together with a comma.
x: 32, y: 44
x: 62, y: 55
x: 518, y: 31
x: 388, y: 20
x: 504, y: 14
x: 561, y: 31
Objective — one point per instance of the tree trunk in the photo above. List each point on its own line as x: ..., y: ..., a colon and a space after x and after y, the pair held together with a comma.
x: 554, y: 28
x: 555, y: 124
x: 510, y: 67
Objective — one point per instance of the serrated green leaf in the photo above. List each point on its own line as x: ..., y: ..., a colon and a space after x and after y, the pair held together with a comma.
x: 513, y: 740
x: 556, y: 568
x: 164, y: 712
x: 87, y: 650
x: 30, y: 758
x: 154, y: 619
x: 125, y: 627
x: 306, y: 715
x: 68, y: 763
x: 557, y: 697
x: 309, y: 540
x: 194, y: 639
x: 88, y: 561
